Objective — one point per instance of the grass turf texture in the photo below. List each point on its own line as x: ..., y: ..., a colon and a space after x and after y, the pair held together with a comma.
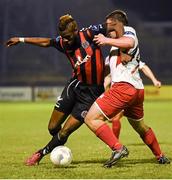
x: 23, y: 130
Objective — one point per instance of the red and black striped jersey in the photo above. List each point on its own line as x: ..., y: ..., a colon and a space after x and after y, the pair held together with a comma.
x: 85, y: 56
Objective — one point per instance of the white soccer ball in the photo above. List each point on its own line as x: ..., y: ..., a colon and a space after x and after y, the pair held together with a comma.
x: 61, y: 156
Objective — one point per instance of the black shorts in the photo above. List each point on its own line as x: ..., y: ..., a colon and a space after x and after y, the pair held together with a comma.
x: 77, y: 98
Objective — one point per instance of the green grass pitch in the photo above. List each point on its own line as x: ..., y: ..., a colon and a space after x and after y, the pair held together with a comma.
x: 23, y: 130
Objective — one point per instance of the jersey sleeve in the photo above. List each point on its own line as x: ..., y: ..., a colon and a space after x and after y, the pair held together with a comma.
x: 129, y: 32
x: 57, y: 43
x: 141, y: 64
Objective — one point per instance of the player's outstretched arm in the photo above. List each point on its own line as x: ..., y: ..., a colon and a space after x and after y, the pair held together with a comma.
x: 148, y: 72
x: 43, y: 42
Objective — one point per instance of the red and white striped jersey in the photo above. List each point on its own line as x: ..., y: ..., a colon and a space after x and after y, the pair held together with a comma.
x: 129, y: 72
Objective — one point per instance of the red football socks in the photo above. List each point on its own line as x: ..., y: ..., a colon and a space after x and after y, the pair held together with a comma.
x: 105, y: 133
x: 116, y: 127
x: 150, y: 139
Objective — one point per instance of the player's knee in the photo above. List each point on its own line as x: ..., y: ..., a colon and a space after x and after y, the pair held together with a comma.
x: 141, y: 126
x: 53, y: 130
x: 144, y: 128
x: 86, y: 119
x: 141, y: 129
x: 89, y: 118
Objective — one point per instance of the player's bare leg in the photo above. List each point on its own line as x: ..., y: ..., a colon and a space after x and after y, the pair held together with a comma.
x: 57, y: 118
x: 149, y: 138
x: 71, y: 125
x: 61, y: 137
x: 116, y: 124
x: 58, y: 139
x: 94, y: 121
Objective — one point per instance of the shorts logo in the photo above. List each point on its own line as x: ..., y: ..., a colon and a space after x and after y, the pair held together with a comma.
x: 58, y: 103
x: 83, y: 114
x: 59, y: 98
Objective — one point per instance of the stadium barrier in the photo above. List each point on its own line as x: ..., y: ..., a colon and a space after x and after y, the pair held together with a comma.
x: 46, y: 93
x: 50, y: 93
x: 164, y: 93
x: 43, y: 93
x: 15, y: 93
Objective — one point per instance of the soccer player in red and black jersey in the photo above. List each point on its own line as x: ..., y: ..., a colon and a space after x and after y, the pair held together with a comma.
x: 83, y: 88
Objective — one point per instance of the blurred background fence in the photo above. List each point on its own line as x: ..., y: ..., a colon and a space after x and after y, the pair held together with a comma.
x: 26, y: 65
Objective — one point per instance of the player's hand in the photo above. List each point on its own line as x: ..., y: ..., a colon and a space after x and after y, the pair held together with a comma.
x: 125, y: 58
x: 157, y: 83
x: 12, y: 41
x: 100, y: 39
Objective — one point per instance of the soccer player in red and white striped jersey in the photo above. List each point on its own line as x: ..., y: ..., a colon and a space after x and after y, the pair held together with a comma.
x: 126, y: 93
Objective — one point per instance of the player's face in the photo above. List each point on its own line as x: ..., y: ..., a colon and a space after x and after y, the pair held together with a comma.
x: 114, y: 25
x: 69, y: 37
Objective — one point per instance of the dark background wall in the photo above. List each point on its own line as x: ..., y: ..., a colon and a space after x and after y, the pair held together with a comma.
x: 29, y: 65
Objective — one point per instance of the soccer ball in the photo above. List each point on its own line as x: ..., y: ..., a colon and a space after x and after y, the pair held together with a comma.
x: 61, y: 156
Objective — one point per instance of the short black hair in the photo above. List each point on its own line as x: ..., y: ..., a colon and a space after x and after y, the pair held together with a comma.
x: 119, y: 15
